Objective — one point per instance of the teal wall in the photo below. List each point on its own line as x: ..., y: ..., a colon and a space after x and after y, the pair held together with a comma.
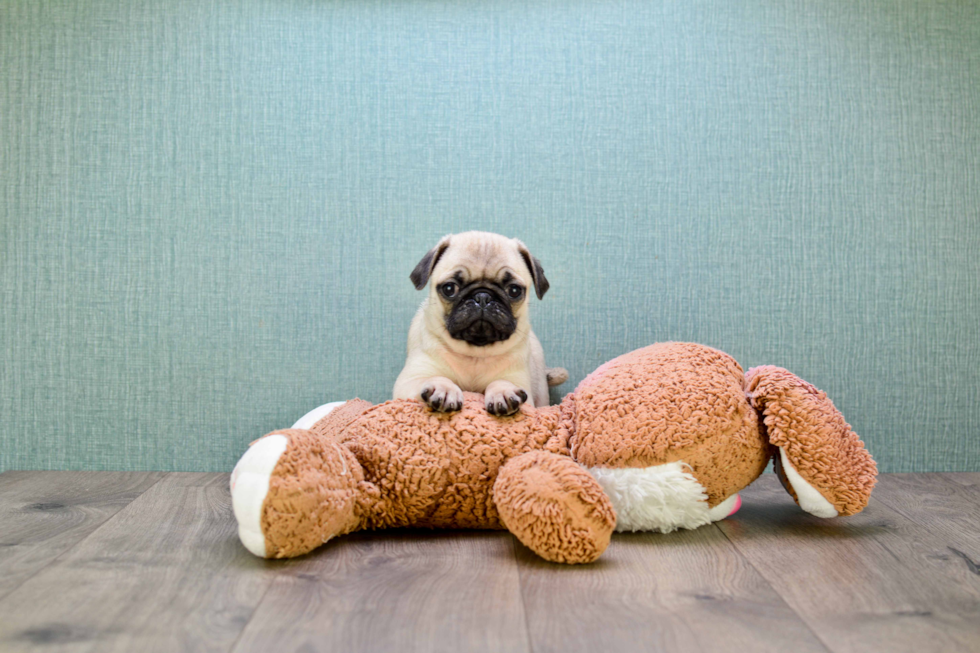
x: 209, y: 210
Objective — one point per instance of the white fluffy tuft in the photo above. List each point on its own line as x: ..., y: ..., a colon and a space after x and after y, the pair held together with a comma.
x: 659, y: 498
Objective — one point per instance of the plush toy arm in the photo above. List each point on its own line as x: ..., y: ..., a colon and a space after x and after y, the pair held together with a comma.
x: 554, y: 507
x: 822, y: 463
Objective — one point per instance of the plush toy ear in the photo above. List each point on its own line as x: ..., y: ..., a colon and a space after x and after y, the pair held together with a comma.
x: 541, y: 284
x: 821, y: 462
x: 420, y: 275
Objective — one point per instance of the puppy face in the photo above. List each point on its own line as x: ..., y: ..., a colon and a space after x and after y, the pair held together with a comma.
x: 480, y: 311
x: 480, y: 282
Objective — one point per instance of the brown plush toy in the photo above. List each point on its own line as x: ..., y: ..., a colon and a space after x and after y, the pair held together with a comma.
x: 658, y: 439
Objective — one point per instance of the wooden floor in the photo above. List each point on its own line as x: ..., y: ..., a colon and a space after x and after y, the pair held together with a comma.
x: 104, y: 561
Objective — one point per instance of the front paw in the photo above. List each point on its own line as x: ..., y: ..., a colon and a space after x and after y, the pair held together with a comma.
x: 442, y: 395
x: 504, y: 398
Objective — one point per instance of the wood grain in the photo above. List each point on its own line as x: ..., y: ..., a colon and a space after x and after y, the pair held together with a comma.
x: 46, y: 513
x: 874, y: 581
x: 947, y: 505
x: 117, y: 568
x: 683, y: 591
x: 396, y: 591
x: 969, y: 480
x: 949, y: 509
x: 166, y: 574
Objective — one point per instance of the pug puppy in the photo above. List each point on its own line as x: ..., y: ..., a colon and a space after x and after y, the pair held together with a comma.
x: 472, y: 332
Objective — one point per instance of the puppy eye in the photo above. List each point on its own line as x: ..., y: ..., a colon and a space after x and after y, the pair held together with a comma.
x: 448, y: 290
x: 514, y: 291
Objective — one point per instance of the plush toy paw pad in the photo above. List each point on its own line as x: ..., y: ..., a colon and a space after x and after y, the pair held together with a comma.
x: 738, y: 504
x: 726, y: 508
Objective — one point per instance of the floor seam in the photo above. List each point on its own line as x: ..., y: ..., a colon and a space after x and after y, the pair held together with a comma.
x: 899, y: 508
x: 782, y: 598
x: 520, y: 588
x: 258, y: 604
x: 94, y: 531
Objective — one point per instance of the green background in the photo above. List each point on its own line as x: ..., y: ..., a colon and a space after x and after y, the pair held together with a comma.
x: 209, y: 210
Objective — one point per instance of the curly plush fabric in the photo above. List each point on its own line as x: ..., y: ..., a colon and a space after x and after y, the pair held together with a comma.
x: 671, y: 402
x: 554, y: 507
x: 818, y: 442
x: 633, y: 423
x: 436, y: 469
x: 312, y: 494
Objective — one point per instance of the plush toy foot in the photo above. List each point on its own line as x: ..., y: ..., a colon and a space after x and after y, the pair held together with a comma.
x: 293, y: 490
x: 822, y: 463
x: 249, y: 487
x: 250, y: 479
x: 554, y: 507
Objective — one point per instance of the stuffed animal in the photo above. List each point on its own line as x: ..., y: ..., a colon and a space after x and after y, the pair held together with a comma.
x: 661, y: 438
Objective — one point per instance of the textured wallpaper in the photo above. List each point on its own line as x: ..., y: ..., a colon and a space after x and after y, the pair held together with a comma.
x: 209, y: 210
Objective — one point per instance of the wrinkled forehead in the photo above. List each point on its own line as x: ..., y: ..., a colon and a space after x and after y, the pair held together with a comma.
x: 482, y: 258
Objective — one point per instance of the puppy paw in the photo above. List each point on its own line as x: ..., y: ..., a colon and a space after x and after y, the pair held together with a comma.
x: 442, y: 395
x: 504, y: 398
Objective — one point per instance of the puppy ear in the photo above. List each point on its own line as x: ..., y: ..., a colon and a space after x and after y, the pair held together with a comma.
x: 420, y: 275
x: 541, y: 284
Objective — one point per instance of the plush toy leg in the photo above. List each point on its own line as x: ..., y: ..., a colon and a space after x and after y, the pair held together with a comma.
x: 822, y: 463
x: 554, y: 507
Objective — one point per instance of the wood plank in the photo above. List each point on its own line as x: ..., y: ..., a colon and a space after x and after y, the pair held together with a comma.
x: 683, y: 591
x: 396, y: 590
x: 948, y: 508
x: 46, y: 513
x: 967, y: 479
x: 877, y: 581
x: 946, y: 505
x: 163, y: 570
x: 166, y: 573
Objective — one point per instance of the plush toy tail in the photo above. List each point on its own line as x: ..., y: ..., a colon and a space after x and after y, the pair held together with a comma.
x: 822, y: 463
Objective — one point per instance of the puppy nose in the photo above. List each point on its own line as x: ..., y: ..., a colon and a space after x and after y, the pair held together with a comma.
x: 483, y: 298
